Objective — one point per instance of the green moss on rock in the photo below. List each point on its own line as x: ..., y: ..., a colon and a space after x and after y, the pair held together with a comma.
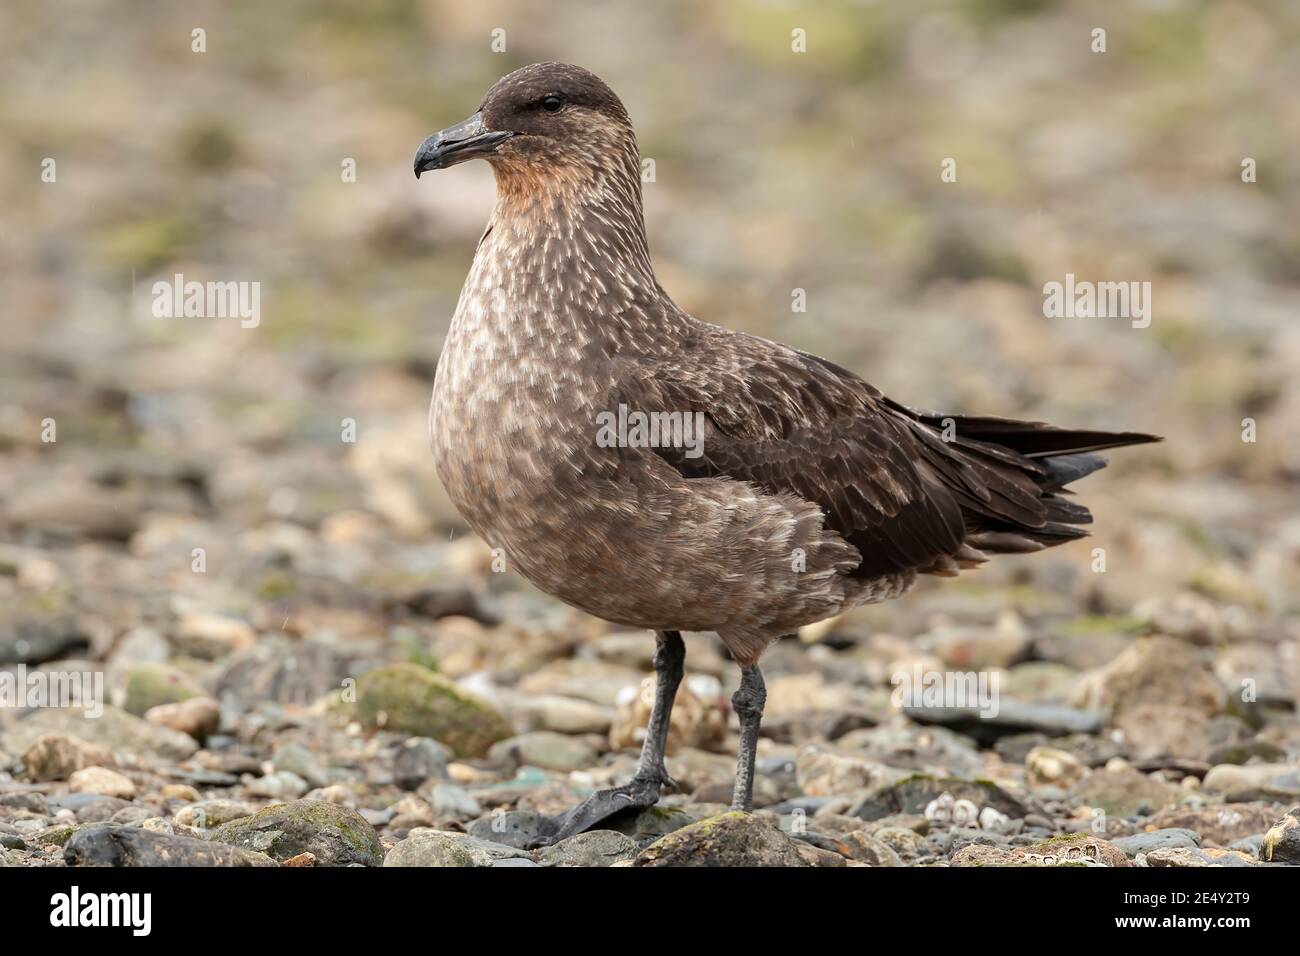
x: 151, y: 684
x: 336, y: 835
x: 414, y: 700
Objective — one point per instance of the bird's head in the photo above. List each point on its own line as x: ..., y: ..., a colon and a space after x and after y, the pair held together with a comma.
x: 544, y: 120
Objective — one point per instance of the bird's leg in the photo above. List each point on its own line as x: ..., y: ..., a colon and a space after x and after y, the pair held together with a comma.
x: 748, y: 703
x: 670, y: 658
x: 643, y: 789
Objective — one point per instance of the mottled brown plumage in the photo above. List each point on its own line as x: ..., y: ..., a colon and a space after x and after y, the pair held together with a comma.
x: 814, y: 492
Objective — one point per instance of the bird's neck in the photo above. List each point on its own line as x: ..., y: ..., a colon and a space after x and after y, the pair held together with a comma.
x: 565, y: 254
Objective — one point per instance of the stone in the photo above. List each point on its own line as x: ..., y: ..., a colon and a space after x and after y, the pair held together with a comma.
x: 1162, y: 839
x: 411, y: 699
x: 198, y: 717
x: 99, y: 808
x: 653, y: 823
x: 975, y: 854
x: 449, y: 800
x: 141, y: 645
x: 823, y: 772
x: 109, y: 845
x: 1083, y: 649
x: 1188, y: 617
x: 212, y: 636
x: 1193, y: 857
x: 336, y: 835
x: 131, y: 815
x: 695, y: 722
x: 114, y: 728
x: 1075, y: 848
x: 334, y: 793
x: 282, y: 671
x: 1276, y: 782
x: 1048, y: 765
x: 1154, y: 670
x: 425, y: 847
x: 1072, y: 850
x: 1281, y: 844
x: 979, y: 649
x: 207, y: 814
x: 77, y: 507
x: 151, y: 684
x: 513, y: 828
x: 566, y: 715
x: 420, y: 759
x: 1124, y: 792
x: 593, y: 848
x: 296, y: 759
x: 915, y: 793
x: 103, y: 781
x: 58, y: 756
x: 1220, y: 824
x: 1040, y: 682
x: 280, y: 785
x: 1244, y: 751
x: 1157, y: 731
x: 869, y: 849
x: 1012, y: 717
x: 908, y: 844
x: 732, y: 839
x: 545, y: 749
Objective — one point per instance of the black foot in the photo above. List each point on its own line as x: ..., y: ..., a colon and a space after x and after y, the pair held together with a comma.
x: 639, y: 794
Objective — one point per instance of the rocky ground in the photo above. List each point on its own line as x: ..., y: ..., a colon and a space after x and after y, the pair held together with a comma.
x: 308, y: 660
x: 333, y: 724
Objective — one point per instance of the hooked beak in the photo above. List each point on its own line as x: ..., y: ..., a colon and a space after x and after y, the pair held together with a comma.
x: 455, y: 144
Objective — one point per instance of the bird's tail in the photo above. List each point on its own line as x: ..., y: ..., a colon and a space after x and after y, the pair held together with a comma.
x: 1027, y: 467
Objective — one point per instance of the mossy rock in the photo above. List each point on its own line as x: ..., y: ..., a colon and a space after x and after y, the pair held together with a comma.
x: 151, y: 684
x: 334, y: 834
x: 414, y: 700
x: 731, y: 839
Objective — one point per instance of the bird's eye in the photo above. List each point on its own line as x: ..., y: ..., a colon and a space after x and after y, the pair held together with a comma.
x: 552, y: 103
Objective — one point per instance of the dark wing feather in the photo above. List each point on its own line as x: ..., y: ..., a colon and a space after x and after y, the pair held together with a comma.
x: 789, y: 425
x: 792, y: 423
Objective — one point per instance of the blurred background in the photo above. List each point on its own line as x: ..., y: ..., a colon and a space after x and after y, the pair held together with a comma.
x: 774, y: 170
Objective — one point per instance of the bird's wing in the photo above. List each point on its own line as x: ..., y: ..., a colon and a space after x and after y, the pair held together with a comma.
x: 788, y: 422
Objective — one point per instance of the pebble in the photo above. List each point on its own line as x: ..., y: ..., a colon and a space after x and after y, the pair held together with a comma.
x: 1281, y: 844
x: 593, y: 848
x: 1050, y: 765
x: 335, y: 835
x: 732, y: 839
x: 1169, y: 838
x: 425, y: 847
x: 103, y: 781
x: 58, y: 756
x: 197, y: 717
x: 135, y: 846
x: 545, y: 749
x: 114, y: 728
x: 420, y: 759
